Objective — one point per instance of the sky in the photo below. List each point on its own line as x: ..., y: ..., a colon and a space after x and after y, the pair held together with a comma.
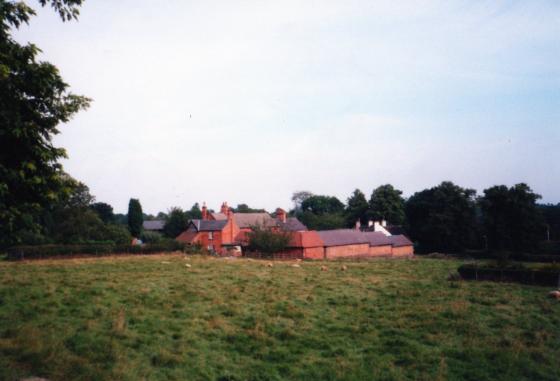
x: 249, y: 101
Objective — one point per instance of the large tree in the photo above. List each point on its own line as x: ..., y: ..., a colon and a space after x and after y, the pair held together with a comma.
x: 34, y: 100
x: 512, y: 220
x: 387, y: 203
x: 104, y: 211
x: 135, y: 217
x: 356, y: 208
x: 442, y: 218
x: 176, y: 222
x: 322, y: 213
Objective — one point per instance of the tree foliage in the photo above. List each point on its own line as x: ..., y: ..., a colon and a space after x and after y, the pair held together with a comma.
x: 322, y: 205
x: 268, y: 241
x: 104, y: 211
x: 511, y: 218
x: 357, y: 208
x: 34, y: 100
x: 135, y: 217
x: 387, y: 203
x: 176, y: 222
x: 442, y: 218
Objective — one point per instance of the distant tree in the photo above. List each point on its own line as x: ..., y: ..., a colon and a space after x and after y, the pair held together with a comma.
x: 121, y: 219
x: 195, y: 213
x: 176, y: 222
x: 161, y: 216
x: 387, y: 203
x: 512, y: 220
x: 135, y: 217
x: 326, y: 221
x: 151, y: 236
x: 551, y: 214
x: 268, y: 241
x: 356, y: 209
x: 34, y: 100
x: 244, y: 208
x: 119, y: 234
x: 299, y: 197
x: 104, y: 211
x: 322, y: 205
x: 442, y: 218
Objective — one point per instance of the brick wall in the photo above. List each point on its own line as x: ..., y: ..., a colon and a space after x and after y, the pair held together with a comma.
x: 347, y: 251
x: 403, y: 251
x: 380, y: 251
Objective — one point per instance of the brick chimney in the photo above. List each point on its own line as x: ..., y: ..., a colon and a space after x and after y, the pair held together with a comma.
x: 224, y: 209
x: 358, y: 225
x: 281, y: 215
x: 204, y: 211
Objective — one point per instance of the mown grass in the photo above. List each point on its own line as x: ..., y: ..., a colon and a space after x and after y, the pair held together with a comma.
x: 153, y: 318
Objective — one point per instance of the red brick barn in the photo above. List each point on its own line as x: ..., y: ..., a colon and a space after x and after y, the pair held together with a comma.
x: 344, y: 243
x: 402, y: 246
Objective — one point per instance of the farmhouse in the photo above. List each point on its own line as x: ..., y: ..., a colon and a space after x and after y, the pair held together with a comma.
x: 227, y: 232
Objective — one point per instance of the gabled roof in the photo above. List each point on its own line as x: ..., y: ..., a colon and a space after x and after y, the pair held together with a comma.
x: 208, y: 225
x: 219, y: 216
x: 292, y: 224
x: 342, y: 237
x: 247, y: 220
x: 377, y: 239
x: 400, y: 240
x: 153, y: 225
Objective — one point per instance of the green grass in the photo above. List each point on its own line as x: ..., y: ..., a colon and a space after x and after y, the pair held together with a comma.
x: 137, y: 318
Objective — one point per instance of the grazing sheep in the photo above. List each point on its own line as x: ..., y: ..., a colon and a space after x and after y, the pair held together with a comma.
x: 296, y: 265
x: 324, y: 268
x: 269, y: 264
x: 188, y: 265
x: 343, y: 268
x: 554, y: 294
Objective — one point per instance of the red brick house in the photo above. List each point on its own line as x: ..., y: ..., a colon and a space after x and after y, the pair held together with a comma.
x: 226, y: 232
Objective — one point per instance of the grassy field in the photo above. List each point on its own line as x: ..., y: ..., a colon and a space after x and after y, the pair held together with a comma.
x: 154, y: 318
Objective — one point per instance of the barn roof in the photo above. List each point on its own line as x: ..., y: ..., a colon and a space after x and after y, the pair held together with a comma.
x: 153, y: 225
x: 399, y: 240
x: 292, y: 224
x: 342, y: 237
x: 208, y: 225
x: 377, y: 238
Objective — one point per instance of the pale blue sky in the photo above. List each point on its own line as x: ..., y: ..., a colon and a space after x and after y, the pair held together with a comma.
x: 248, y: 101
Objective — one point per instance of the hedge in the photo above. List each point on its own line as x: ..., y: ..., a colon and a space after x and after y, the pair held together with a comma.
x: 95, y: 249
x: 545, y: 276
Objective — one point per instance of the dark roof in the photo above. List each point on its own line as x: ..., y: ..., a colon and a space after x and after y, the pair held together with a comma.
x: 292, y: 224
x: 208, y: 225
x: 153, y: 225
x: 342, y: 237
x: 377, y: 238
x: 247, y: 220
x: 395, y: 229
x: 399, y: 240
x: 219, y: 216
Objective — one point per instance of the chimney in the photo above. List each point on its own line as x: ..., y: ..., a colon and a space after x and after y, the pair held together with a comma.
x: 281, y: 214
x: 228, y: 212
x: 369, y: 223
x: 204, y: 211
x: 358, y: 225
x: 384, y: 223
x: 224, y: 209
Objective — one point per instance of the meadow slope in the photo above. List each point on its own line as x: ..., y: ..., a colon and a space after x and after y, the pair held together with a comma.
x: 154, y: 318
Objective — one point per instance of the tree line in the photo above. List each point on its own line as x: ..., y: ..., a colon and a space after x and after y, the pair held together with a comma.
x: 446, y: 217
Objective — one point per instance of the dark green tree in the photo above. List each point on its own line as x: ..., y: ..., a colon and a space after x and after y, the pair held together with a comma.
x: 442, y: 218
x: 34, y: 100
x: 268, y: 241
x: 104, y: 211
x: 356, y: 209
x: 387, y: 203
x: 511, y: 218
x: 176, y: 222
x: 195, y: 213
x: 244, y: 208
x: 135, y: 217
x: 298, y: 198
x: 322, y: 205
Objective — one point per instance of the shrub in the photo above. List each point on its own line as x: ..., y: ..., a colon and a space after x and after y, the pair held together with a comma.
x: 268, y: 241
x: 151, y: 237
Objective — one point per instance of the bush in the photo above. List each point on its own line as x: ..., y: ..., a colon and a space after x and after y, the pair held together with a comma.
x: 100, y: 248
x: 151, y: 237
x: 119, y: 234
x: 268, y: 241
